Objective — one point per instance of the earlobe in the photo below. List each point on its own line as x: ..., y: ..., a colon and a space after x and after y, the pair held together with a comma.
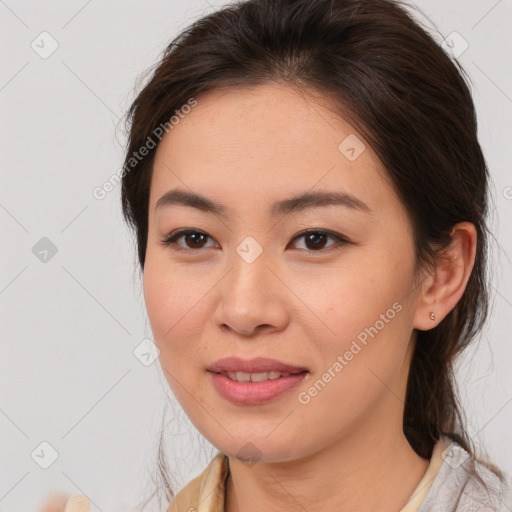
x: 442, y: 289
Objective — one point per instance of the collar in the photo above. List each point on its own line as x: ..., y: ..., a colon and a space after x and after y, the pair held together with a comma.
x: 206, y: 492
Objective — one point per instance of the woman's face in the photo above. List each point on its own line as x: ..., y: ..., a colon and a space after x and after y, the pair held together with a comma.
x: 248, y: 283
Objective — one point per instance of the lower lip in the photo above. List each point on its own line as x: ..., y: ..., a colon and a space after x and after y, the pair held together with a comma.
x: 254, y: 393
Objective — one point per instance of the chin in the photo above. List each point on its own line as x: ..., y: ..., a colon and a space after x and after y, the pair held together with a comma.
x: 252, y: 447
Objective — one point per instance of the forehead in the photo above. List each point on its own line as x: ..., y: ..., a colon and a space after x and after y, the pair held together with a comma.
x: 269, y: 140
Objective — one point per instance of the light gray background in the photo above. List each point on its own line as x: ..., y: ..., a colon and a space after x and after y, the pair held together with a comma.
x: 70, y: 325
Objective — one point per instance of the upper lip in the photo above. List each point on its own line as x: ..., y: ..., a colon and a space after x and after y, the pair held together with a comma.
x: 257, y: 365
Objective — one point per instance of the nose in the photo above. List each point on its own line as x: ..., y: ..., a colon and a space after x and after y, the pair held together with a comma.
x: 253, y: 300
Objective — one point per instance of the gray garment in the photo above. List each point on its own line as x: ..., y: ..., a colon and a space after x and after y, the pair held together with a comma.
x: 456, y: 487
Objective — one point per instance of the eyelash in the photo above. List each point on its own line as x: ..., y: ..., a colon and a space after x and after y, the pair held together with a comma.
x: 173, y: 237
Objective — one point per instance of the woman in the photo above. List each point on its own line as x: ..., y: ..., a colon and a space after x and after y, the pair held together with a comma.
x: 309, y: 199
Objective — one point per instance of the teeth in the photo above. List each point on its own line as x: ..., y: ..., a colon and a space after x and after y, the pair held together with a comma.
x: 243, y: 377
x: 256, y: 377
x: 259, y: 377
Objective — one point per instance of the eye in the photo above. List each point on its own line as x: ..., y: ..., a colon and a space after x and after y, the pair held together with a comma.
x: 315, y: 239
x: 194, y: 239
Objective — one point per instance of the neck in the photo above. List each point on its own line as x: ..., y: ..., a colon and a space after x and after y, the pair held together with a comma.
x: 377, y: 473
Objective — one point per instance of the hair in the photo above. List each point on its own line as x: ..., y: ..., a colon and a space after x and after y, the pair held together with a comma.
x: 411, y: 102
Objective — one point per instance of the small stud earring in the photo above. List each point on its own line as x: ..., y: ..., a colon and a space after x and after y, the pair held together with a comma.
x: 432, y: 316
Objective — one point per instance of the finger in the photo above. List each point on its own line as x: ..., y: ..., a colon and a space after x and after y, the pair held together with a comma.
x: 78, y: 503
x: 54, y: 503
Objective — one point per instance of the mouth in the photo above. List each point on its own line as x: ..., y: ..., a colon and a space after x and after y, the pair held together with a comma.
x: 257, y: 369
x: 254, y: 382
x: 240, y: 376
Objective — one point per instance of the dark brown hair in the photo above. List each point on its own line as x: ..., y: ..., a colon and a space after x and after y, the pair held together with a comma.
x: 410, y: 101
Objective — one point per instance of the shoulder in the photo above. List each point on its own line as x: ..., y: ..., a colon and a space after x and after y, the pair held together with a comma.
x: 464, y: 484
x: 205, y: 493
x: 483, y: 486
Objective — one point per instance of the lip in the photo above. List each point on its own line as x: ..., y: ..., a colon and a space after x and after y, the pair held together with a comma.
x: 259, y: 364
x: 254, y: 393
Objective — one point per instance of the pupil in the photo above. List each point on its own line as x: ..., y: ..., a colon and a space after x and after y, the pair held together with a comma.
x: 193, y: 235
x: 314, y: 238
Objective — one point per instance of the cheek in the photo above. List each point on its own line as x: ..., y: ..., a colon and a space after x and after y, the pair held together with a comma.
x: 173, y: 311
x: 173, y: 303
x: 350, y: 300
x: 363, y: 315
x: 158, y: 299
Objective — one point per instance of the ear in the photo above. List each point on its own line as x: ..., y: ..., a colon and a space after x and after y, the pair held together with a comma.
x: 442, y: 289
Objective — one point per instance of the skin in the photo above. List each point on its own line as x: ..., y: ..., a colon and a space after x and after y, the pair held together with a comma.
x: 300, y: 303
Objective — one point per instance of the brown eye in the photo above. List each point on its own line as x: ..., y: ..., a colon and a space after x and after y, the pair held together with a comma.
x: 193, y: 239
x: 315, y: 240
x: 196, y: 239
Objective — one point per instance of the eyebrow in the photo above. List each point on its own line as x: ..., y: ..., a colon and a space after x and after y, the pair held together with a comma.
x: 294, y: 204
